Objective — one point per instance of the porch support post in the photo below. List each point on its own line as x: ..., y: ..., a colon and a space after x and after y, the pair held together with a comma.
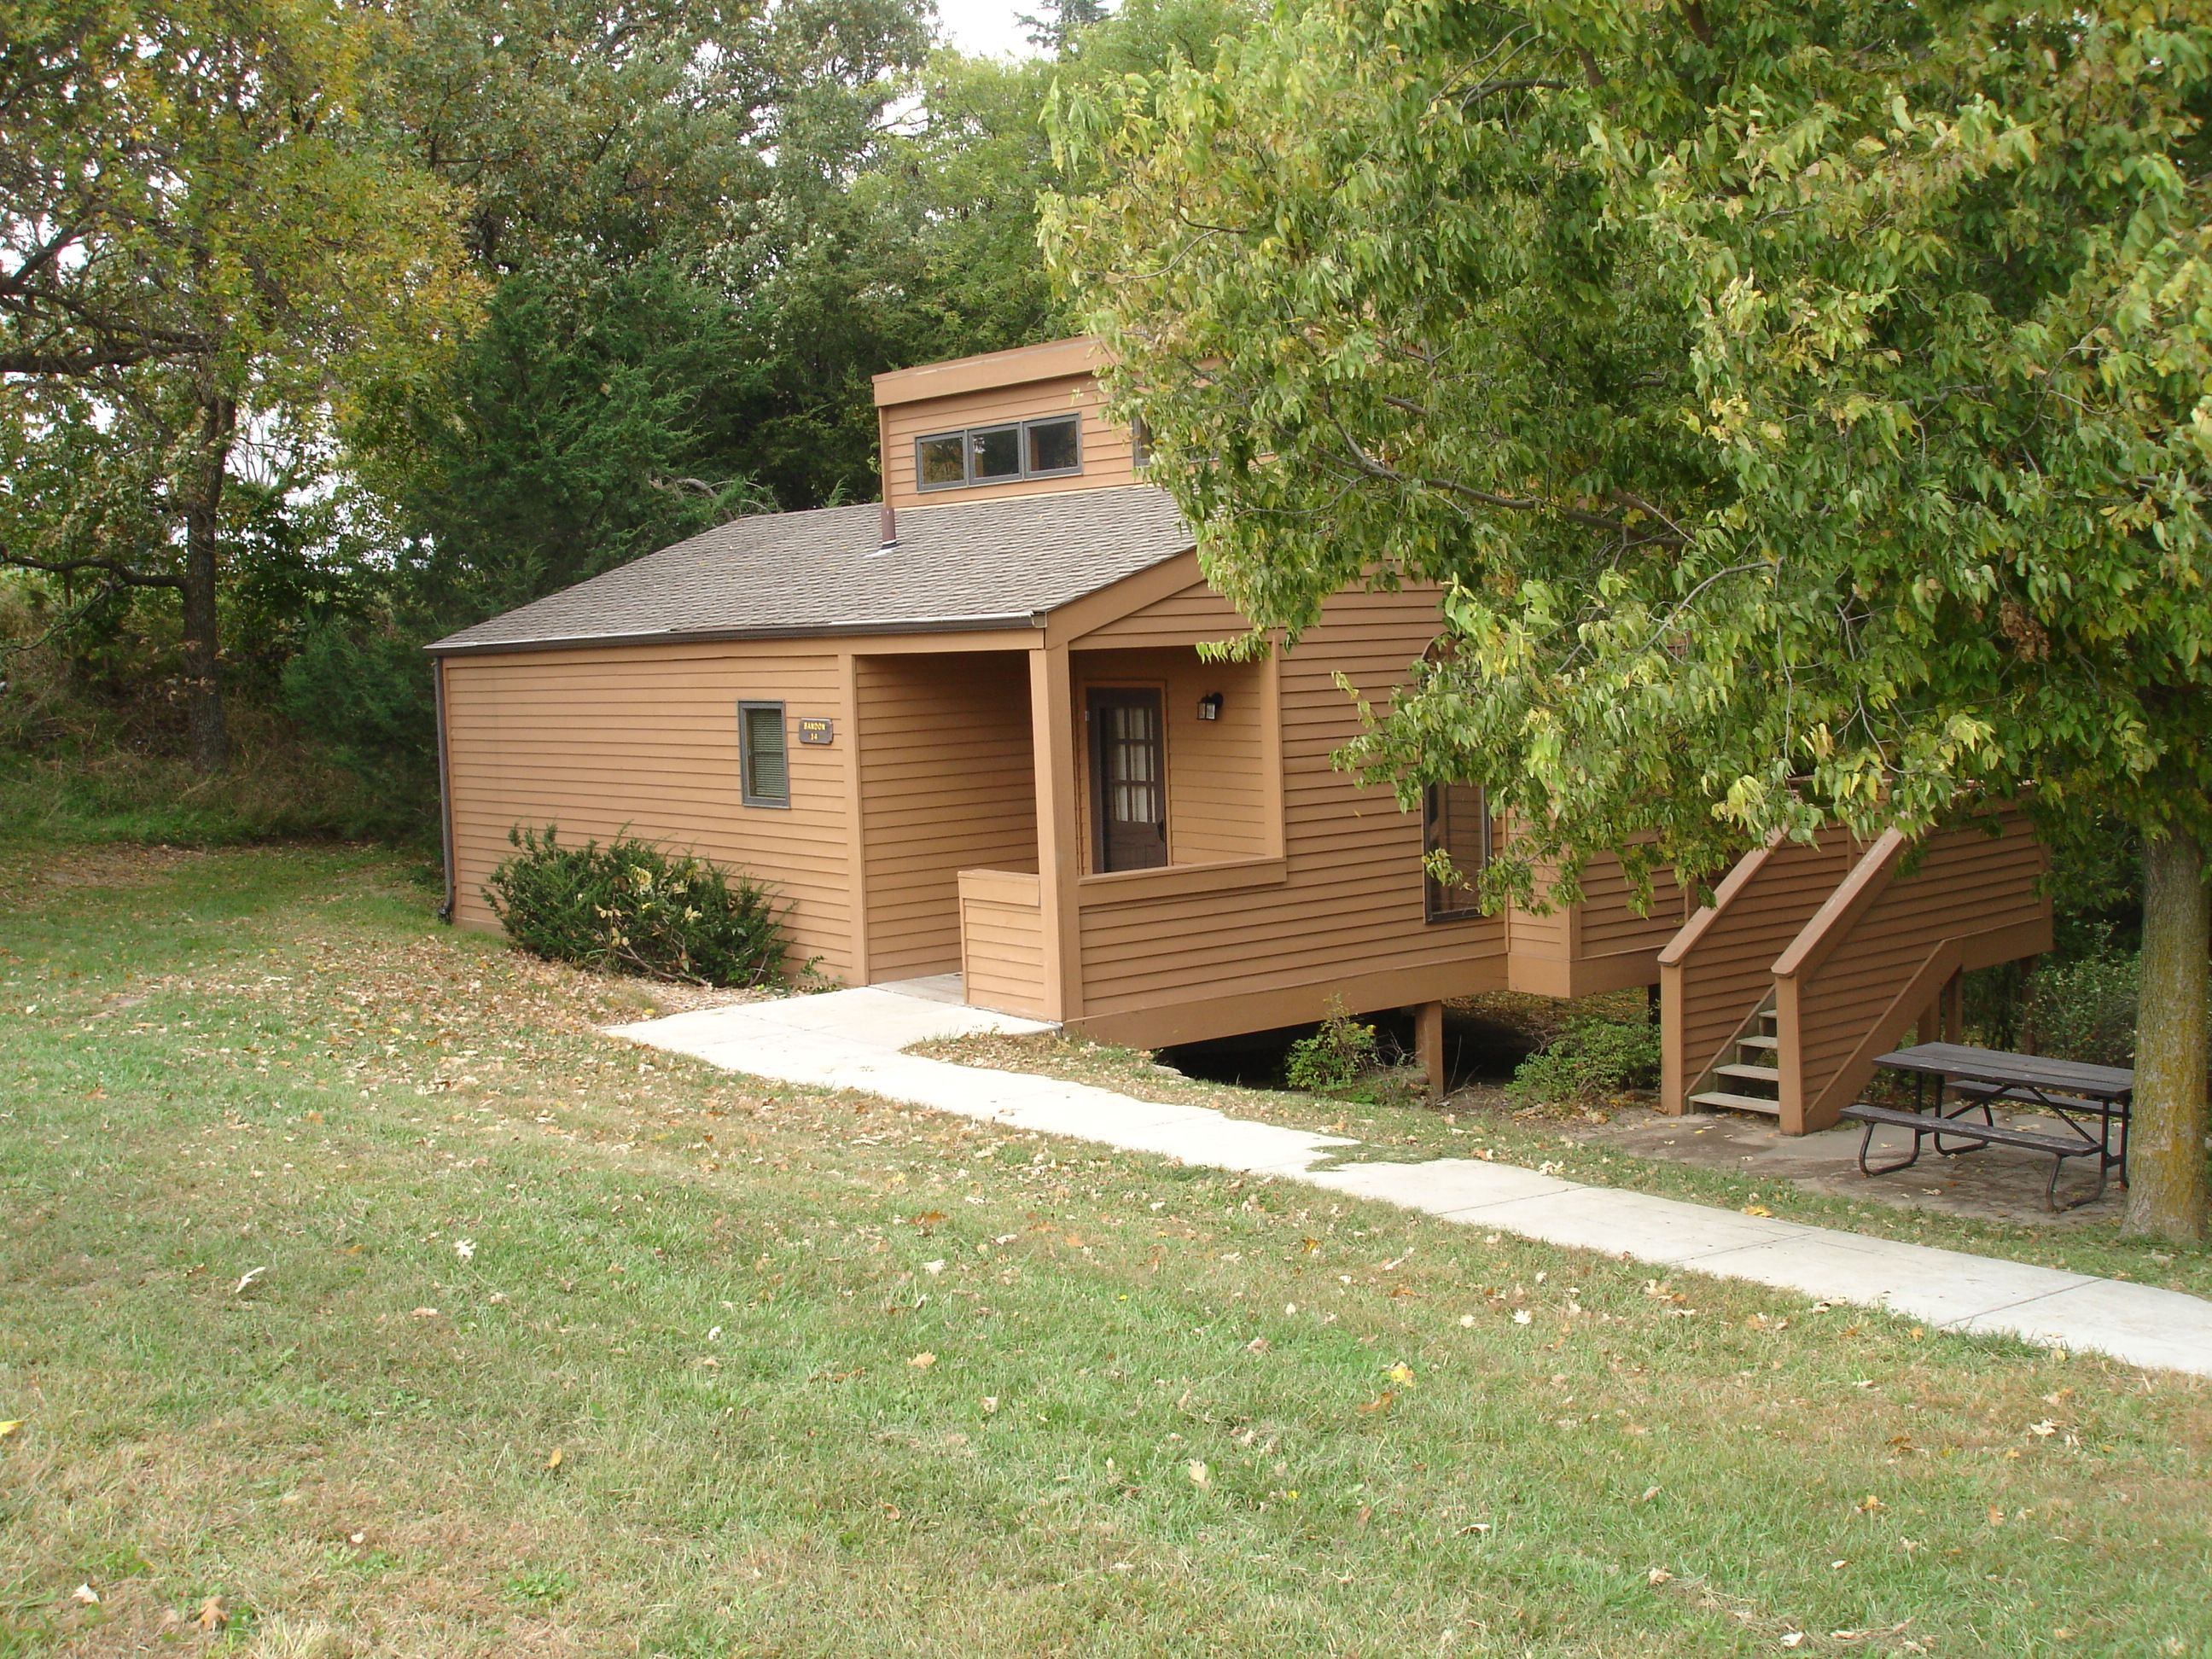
x: 1052, y: 719
x: 1429, y: 1043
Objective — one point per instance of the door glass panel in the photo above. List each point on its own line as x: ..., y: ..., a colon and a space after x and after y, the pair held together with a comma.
x: 1130, y: 802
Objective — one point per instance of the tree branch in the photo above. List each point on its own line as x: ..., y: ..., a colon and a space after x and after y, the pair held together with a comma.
x: 122, y: 573
x: 1385, y: 473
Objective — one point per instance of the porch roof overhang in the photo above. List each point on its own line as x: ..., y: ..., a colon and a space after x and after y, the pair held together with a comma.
x: 992, y: 566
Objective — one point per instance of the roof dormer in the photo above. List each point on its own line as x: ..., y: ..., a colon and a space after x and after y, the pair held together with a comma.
x: 1021, y: 422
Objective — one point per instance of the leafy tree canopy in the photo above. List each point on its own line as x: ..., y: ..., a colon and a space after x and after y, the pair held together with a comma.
x: 205, y: 252
x: 1805, y: 407
x: 1806, y: 404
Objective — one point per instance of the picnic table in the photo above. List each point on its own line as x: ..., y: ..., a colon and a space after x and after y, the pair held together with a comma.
x: 2079, y: 1095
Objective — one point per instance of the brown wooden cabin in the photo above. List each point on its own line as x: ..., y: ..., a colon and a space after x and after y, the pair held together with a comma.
x: 968, y: 732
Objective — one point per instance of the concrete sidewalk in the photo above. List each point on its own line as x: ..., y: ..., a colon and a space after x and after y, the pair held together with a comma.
x: 852, y: 1039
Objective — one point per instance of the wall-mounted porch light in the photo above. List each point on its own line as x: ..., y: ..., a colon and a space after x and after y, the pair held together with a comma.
x: 1209, y: 706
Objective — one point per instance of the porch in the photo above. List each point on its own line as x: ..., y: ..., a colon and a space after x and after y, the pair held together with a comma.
x: 1010, y: 801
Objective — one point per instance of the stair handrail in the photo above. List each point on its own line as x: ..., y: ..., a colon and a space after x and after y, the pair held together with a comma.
x: 1740, y: 876
x: 1840, y: 911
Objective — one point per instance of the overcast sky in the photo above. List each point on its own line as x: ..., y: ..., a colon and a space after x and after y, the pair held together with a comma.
x: 986, y: 28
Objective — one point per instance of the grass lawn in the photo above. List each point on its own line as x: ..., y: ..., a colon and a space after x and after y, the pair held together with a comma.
x: 357, y: 1294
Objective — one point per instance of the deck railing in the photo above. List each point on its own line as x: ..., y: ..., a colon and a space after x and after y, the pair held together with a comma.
x: 1601, y: 944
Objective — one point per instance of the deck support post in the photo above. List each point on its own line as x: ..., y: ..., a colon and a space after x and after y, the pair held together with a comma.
x: 1429, y: 1043
x: 1052, y: 726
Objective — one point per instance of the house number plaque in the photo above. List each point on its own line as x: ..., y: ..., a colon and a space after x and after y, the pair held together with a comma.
x: 819, y: 733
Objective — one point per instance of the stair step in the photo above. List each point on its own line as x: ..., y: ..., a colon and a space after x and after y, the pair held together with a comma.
x: 1743, y: 1073
x: 1715, y: 1100
x: 1769, y: 1021
x: 1763, y: 1040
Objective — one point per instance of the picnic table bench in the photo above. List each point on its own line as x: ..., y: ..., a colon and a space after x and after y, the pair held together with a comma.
x: 2073, y: 1091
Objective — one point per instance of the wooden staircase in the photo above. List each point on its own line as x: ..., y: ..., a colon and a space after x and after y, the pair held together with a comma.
x: 1751, y: 1081
x: 1813, y: 960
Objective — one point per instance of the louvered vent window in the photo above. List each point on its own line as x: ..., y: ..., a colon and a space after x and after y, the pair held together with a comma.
x: 762, y: 755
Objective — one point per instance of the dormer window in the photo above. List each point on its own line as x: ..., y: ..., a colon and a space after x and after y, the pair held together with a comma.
x: 1048, y: 448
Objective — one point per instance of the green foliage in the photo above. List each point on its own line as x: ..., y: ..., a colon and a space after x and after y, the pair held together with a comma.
x: 2086, y: 1009
x: 364, y: 695
x: 1802, y: 406
x: 216, y: 249
x: 596, y: 414
x: 1591, y: 1061
x: 1340, y: 1051
x: 630, y: 907
x: 542, y: 1587
x: 1803, y: 410
x: 1347, y: 1059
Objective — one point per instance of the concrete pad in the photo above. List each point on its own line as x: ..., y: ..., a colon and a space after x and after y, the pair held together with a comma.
x: 1445, y: 1187
x: 2139, y: 1323
x: 1092, y: 1119
x: 878, y: 1018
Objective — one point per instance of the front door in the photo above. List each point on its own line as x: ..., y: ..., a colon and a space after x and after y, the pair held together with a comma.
x: 1129, y: 804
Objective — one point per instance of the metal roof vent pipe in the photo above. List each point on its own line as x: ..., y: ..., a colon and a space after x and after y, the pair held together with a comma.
x: 889, y: 522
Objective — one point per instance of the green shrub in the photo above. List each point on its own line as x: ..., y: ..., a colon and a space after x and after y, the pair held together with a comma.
x: 630, y: 906
x: 1336, y: 1056
x: 1347, y: 1060
x: 1591, y: 1060
x: 2085, y: 1009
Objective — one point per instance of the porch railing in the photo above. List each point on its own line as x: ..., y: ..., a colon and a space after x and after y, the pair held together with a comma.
x: 1002, y: 942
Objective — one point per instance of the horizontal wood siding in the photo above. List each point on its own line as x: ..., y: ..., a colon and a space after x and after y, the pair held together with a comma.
x: 1610, y: 924
x: 1970, y: 902
x: 1600, y: 944
x: 644, y: 738
x: 1348, y: 909
x: 1218, y: 798
x: 1105, y: 446
x: 1722, y: 967
x: 947, y: 784
x: 1002, y: 942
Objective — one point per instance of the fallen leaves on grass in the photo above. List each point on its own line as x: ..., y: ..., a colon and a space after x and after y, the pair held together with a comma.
x: 212, y: 1615
x: 1200, y: 1476
x: 922, y: 1362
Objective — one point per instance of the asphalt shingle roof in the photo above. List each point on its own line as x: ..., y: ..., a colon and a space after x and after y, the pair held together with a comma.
x: 967, y: 564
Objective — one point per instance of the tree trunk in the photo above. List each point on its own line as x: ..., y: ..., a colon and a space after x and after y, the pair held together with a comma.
x: 210, y: 732
x: 2166, y: 1141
